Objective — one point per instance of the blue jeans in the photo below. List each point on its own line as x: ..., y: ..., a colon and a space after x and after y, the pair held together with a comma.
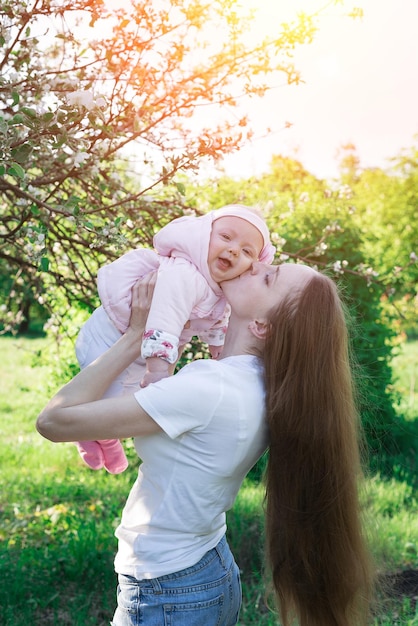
x: 206, y: 594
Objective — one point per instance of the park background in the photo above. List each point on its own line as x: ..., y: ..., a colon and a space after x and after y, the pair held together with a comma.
x: 116, y: 118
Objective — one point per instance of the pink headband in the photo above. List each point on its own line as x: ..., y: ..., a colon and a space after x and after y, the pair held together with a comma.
x: 238, y: 210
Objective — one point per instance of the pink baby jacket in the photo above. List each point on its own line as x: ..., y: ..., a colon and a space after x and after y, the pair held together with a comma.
x: 186, y: 300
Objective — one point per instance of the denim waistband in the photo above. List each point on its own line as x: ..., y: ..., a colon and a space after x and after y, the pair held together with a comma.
x: 220, y: 552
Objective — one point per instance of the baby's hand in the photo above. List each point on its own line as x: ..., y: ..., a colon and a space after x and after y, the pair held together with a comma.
x: 215, y: 351
x: 153, y: 377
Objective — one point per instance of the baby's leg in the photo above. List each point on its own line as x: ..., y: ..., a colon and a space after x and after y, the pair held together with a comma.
x: 91, y: 453
x: 114, y: 457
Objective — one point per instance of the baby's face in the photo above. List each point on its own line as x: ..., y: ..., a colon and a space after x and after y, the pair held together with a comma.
x: 233, y: 247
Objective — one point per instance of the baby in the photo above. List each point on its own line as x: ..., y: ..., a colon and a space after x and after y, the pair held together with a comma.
x: 192, y: 255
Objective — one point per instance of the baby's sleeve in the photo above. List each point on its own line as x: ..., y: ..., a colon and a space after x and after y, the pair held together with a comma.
x: 178, y: 288
x: 160, y: 344
x: 215, y: 336
x: 115, y: 281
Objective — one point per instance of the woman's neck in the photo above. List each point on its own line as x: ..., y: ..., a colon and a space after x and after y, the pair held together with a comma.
x: 239, y: 340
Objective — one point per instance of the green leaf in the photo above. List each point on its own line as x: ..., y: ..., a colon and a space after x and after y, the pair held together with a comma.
x: 61, y: 142
x: 44, y: 264
x: 15, y: 97
x: 2, y: 170
x: 181, y: 188
x: 16, y: 170
x: 22, y: 153
x: 73, y: 201
x: 29, y: 112
x: 17, y: 119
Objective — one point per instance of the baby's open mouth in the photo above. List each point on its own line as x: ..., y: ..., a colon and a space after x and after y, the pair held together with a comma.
x: 224, y: 263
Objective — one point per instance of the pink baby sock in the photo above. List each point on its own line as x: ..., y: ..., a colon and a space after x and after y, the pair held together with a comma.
x: 91, y: 453
x: 115, y: 460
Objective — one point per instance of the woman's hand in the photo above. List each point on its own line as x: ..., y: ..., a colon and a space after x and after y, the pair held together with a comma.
x: 142, y: 293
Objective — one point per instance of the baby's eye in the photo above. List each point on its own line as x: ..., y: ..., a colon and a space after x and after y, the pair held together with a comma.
x: 248, y: 252
x: 226, y: 236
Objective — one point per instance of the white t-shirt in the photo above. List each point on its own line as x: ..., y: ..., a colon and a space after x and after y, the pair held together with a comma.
x: 212, y: 414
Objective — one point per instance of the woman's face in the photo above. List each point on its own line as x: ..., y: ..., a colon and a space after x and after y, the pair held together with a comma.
x: 256, y: 292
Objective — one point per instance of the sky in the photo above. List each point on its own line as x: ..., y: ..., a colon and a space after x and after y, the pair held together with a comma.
x: 360, y: 87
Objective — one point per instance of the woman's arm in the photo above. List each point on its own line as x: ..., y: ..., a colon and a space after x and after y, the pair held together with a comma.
x: 76, y: 412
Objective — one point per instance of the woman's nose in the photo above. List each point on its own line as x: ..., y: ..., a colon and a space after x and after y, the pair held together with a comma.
x: 256, y: 267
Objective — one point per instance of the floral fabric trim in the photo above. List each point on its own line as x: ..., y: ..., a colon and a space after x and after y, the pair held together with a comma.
x: 214, y: 336
x: 158, y: 343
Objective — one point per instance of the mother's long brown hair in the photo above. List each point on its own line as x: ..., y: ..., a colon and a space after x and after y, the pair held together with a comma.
x: 321, y: 568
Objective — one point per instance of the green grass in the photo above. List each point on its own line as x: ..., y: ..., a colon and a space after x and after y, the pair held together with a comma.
x: 57, y: 517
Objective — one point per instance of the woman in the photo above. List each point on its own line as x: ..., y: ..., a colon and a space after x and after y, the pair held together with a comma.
x: 283, y: 381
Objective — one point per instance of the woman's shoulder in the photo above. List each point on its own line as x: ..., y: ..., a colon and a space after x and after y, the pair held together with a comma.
x: 218, y: 367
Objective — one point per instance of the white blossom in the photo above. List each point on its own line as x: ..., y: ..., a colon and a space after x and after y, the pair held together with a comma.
x: 82, y: 98
x: 276, y: 239
x: 339, y: 266
x: 5, y: 33
x: 100, y: 102
x: 80, y: 157
x: 332, y: 228
x: 321, y: 248
x: 345, y: 191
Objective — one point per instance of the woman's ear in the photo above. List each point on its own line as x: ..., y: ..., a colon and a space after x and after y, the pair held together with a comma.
x: 259, y: 329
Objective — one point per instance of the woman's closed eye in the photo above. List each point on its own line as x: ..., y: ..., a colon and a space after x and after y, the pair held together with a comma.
x: 271, y: 276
